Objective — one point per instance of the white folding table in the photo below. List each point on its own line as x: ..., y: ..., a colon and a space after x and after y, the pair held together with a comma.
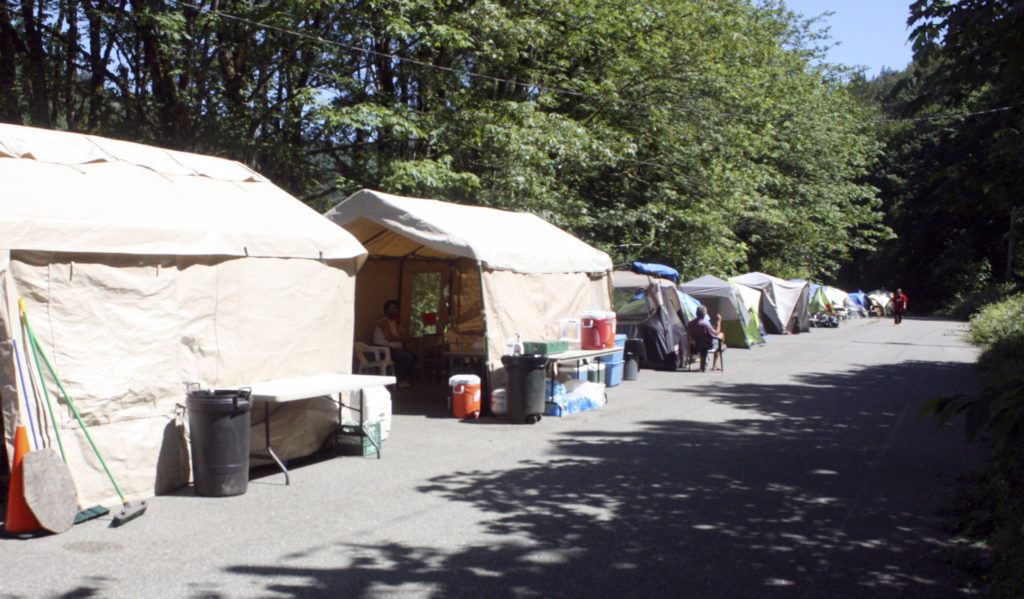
x: 308, y: 387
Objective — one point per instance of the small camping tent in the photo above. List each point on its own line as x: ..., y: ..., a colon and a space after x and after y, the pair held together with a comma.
x: 723, y: 297
x: 819, y: 303
x: 648, y: 308
x: 882, y: 300
x: 488, y: 274
x: 144, y: 269
x: 752, y: 299
x: 842, y: 300
x: 780, y: 302
x: 860, y: 298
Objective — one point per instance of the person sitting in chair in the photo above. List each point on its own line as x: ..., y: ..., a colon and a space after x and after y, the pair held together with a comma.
x: 389, y: 333
x: 705, y: 337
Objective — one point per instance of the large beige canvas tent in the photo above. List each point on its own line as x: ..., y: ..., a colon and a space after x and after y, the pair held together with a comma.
x: 145, y: 269
x: 493, y: 273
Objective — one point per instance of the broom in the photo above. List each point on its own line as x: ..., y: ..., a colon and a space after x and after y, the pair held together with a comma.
x: 129, y: 510
x: 82, y: 515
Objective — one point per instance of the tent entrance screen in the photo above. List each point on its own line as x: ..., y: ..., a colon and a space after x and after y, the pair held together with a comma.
x: 428, y: 294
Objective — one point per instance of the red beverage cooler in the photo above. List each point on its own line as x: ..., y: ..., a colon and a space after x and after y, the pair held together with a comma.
x: 594, y: 330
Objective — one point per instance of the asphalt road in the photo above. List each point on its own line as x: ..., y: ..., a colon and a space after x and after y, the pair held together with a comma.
x: 801, y: 471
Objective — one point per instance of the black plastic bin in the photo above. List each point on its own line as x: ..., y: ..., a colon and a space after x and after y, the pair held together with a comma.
x: 218, y: 421
x: 525, y: 388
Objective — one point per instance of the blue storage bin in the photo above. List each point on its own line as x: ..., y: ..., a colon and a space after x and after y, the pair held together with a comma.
x: 572, y: 372
x: 613, y: 376
x: 618, y: 356
x: 620, y: 341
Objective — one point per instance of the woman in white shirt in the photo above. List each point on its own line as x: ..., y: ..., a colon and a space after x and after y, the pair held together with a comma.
x: 389, y: 333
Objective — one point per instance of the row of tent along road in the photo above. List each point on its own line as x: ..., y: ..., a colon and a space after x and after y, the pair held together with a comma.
x: 144, y: 269
x: 652, y: 306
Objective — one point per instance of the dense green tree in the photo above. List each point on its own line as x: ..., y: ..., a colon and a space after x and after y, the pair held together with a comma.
x: 693, y: 132
x: 951, y: 172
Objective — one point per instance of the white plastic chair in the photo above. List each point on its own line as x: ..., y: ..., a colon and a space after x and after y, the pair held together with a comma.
x: 373, y: 359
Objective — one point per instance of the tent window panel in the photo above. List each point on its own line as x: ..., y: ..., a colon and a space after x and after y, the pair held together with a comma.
x: 626, y: 296
x: 428, y: 293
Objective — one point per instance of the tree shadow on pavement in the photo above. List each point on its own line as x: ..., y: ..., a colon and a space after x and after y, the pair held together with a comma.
x: 817, y: 490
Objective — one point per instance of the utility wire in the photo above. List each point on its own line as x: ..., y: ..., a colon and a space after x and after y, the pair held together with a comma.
x: 538, y: 86
x: 945, y: 117
x: 415, y: 61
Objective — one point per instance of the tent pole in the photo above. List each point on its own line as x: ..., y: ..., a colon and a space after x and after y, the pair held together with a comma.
x: 485, y: 404
x: 401, y: 282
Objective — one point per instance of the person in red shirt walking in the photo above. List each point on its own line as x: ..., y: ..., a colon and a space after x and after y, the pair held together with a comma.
x: 899, y: 306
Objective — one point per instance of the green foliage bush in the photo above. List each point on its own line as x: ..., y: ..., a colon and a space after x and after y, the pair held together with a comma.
x: 997, y: 416
x: 965, y: 304
x: 999, y: 324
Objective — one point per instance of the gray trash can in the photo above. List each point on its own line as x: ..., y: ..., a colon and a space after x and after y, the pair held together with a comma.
x: 631, y: 370
x: 218, y: 421
x: 525, y: 389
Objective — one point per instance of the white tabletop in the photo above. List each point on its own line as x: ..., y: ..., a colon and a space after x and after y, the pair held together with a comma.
x: 316, y: 385
x: 579, y: 354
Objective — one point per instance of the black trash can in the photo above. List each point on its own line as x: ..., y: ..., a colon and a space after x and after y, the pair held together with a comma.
x: 636, y: 347
x: 525, y: 389
x: 631, y: 370
x: 218, y: 421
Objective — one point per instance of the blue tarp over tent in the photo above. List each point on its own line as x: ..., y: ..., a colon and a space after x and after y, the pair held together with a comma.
x: 689, y: 305
x: 860, y: 298
x: 656, y: 270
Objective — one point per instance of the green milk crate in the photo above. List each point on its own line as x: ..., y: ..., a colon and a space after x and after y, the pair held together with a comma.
x: 351, y: 440
x: 555, y: 346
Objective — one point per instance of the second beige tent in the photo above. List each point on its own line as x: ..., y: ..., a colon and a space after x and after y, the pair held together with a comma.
x: 494, y: 273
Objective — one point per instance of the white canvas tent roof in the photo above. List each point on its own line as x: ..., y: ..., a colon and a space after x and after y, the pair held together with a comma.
x: 514, y: 241
x: 144, y: 269
x: 91, y: 194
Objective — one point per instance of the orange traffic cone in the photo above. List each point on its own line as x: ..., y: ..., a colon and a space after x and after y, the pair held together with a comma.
x: 19, y: 516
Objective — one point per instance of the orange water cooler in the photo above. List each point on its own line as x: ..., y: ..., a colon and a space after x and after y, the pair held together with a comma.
x: 464, y: 395
x: 608, y: 335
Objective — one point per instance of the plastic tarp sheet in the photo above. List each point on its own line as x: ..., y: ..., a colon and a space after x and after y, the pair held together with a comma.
x: 655, y: 320
x: 656, y: 270
x: 404, y: 227
x: 689, y: 304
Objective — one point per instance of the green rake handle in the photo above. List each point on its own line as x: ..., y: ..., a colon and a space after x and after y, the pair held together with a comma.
x: 67, y: 398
